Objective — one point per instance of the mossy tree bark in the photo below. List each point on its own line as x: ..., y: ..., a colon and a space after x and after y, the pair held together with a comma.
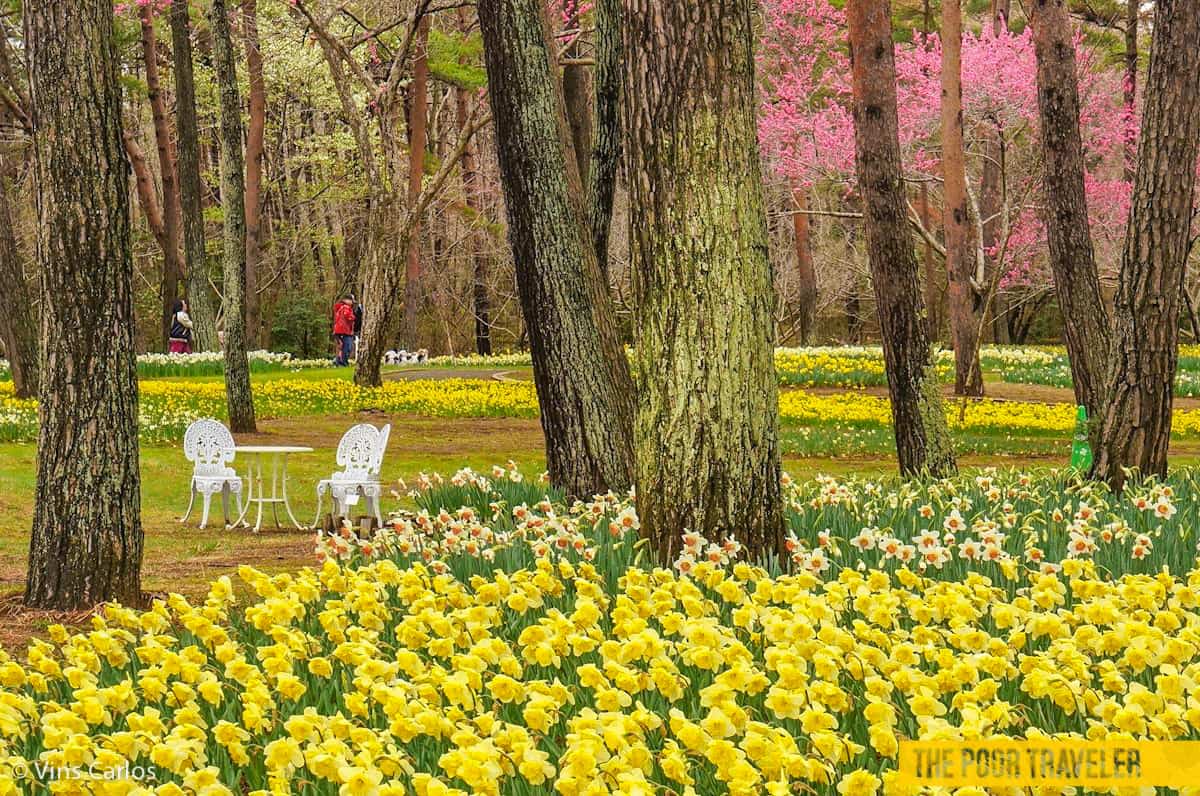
x: 918, y: 420
x: 18, y: 313
x: 707, y: 421
x: 962, y: 265
x: 86, y: 544
x: 199, y: 293
x: 1139, y: 389
x: 1072, y: 257
x: 582, y: 377
x: 233, y: 204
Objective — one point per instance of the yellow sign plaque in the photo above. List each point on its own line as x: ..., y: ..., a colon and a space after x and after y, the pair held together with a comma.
x: 1028, y: 763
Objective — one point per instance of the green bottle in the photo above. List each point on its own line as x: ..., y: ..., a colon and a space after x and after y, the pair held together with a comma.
x: 1081, y: 450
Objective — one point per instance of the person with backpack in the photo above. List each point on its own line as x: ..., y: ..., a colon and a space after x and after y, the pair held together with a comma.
x: 180, y: 337
x: 343, y: 329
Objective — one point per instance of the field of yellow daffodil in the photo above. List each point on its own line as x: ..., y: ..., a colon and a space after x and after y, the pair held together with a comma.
x: 858, y: 409
x: 166, y: 408
x: 413, y: 663
x: 812, y: 366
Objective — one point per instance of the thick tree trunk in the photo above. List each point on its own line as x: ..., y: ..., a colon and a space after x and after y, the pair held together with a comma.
x: 201, y: 303
x: 1072, y: 259
x: 18, y: 313
x: 606, y: 136
x: 806, y: 274
x: 707, y: 423
x: 961, y: 265
x: 922, y: 439
x: 579, y: 367
x: 471, y: 191
x: 171, y: 216
x: 86, y: 544
x: 1139, y: 390
x: 233, y: 202
x: 418, y: 136
x: 254, y: 171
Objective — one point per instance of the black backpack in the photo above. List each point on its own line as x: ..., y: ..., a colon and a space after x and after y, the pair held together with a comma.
x: 178, y: 330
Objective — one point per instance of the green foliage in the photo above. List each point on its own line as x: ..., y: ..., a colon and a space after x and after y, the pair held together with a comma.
x: 131, y: 84
x: 447, y: 54
x: 301, y: 325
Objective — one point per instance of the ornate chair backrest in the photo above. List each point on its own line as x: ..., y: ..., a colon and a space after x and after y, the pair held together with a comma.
x: 209, y: 446
x: 357, y: 452
x: 377, y: 462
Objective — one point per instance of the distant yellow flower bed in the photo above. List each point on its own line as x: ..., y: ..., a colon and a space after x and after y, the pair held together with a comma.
x: 857, y: 408
x: 166, y: 407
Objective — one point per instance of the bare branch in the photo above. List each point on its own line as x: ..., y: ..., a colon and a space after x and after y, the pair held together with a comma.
x: 474, y: 124
x: 333, y: 48
x: 914, y: 219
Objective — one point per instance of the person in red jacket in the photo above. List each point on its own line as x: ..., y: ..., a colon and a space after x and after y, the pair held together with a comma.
x: 343, y: 329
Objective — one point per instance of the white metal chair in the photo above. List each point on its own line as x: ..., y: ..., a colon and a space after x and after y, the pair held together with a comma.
x: 360, y: 454
x: 210, y: 448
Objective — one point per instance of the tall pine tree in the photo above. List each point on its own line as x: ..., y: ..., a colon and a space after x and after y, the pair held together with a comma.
x: 707, y: 421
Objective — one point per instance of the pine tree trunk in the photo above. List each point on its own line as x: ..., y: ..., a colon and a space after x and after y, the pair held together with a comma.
x: 18, y: 313
x: 578, y: 101
x: 991, y: 187
x: 418, y: 137
x: 579, y: 367
x: 1132, y: 13
x: 233, y: 204
x: 1072, y: 259
x: 806, y: 274
x: 922, y: 439
x: 254, y: 171
x: 961, y: 265
x: 934, y: 275
x: 1139, y: 390
x: 471, y: 193
x: 201, y: 302
x: 86, y: 544
x: 606, y: 136
x: 172, y: 256
x: 707, y: 423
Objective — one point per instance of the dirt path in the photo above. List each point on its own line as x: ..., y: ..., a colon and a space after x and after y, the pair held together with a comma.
x: 441, y: 374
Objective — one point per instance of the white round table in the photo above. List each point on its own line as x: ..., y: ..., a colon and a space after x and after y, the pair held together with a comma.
x: 254, y: 481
